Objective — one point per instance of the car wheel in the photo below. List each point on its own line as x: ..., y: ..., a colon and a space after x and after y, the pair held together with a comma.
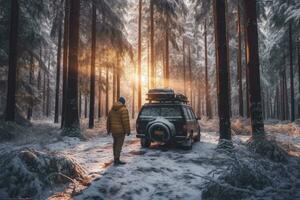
x: 145, y: 143
x: 198, y: 137
x: 189, y: 144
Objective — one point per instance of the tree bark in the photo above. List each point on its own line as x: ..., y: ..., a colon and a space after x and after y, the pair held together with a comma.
x: 93, y: 71
x: 133, y: 94
x: 100, y: 94
x: 31, y: 74
x: 222, y: 70
x: 140, y: 57
x: 71, y: 114
x: 167, y: 70
x: 291, y: 73
x: 58, y: 63
x: 13, y: 58
x: 152, y: 62
x: 184, y: 67
x: 48, y: 103
x: 107, y: 93
x: 298, y: 52
x: 207, y: 86
x: 118, y: 76
x: 65, y: 60
x: 190, y: 76
x: 253, y: 69
x: 239, y: 65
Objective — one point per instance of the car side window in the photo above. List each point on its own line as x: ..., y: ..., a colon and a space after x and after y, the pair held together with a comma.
x: 192, y: 114
x: 186, y: 114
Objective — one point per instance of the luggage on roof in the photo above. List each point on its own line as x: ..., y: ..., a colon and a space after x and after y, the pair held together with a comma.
x: 163, y: 95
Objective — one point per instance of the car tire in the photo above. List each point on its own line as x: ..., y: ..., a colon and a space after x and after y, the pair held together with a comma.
x: 188, y: 144
x: 198, y: 137
x: 145, y: 143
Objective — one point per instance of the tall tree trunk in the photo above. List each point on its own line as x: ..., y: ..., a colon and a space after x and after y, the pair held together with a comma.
x: 140, y: 57
x: 190, y: 76
x: 184, y: 67
x: 247, y: 73
x: 56, y: 112
x: 100, y: 94
x: 44, y: 93
x: 298, y: 52
x: 152, y: 61
x: 277, y: 103
x: 31, y: 73
x: 291, y: 72
x: 13, y: 58
x: 282, y: 97
x: 118, y: 76
x: 207, y: 86
x: 39, y: 78
x: 93, y: 71
x: 222, y: 70
x: 149, y: 66
x: 199, y: 97
x: 65, y: 60
x: 48, y: 103
x: 71, y: 114
x: 167, y: 69
x: 286, y: 98
x: 114, y: 84
x: 107, y: 93
x: 257, y: 123
x: 85, y: 105
x: 133, y: 94
x: 80, y: 104
x: 239, y: 64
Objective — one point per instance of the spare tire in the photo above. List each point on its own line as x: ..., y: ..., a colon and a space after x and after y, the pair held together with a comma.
x: 160, y: 130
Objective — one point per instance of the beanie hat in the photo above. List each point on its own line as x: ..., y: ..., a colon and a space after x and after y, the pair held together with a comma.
x: 122, y: 100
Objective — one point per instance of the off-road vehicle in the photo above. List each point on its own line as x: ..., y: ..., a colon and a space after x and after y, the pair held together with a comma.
x: 167, y: 118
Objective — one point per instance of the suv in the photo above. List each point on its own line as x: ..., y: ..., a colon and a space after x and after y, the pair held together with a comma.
x: 167, y: 118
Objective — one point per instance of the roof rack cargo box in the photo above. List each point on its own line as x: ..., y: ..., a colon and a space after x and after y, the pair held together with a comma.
x: 156, y: 94
x: 165, y: 95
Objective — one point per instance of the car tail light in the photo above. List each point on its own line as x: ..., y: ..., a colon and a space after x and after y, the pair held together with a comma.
x: 184, y: 128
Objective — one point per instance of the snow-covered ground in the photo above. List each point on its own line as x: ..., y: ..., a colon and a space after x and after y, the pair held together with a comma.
x: 155, y: 173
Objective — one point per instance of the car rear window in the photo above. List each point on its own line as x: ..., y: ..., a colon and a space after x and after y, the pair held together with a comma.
x: 167, y: 112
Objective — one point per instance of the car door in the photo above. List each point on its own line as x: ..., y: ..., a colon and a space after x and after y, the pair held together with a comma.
x: 193, y: 122
x: 189, y: 119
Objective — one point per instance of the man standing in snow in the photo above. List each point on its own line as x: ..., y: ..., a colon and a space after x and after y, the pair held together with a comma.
x: 118, y: 124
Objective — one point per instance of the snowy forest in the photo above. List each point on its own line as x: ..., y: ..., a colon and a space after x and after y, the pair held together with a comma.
x: 65, y: 63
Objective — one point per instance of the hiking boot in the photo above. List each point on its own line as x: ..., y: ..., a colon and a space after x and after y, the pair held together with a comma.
x: 119, y: 162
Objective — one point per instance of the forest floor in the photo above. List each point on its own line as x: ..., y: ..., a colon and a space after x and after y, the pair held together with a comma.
x: 154, y: 173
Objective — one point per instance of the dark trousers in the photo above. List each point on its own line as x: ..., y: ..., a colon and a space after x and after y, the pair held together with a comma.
x: 117, y: 145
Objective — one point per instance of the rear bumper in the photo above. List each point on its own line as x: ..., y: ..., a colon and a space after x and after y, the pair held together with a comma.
x: 176, y: 138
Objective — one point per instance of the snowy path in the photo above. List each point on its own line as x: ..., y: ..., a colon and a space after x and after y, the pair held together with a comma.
x: 149, y: 173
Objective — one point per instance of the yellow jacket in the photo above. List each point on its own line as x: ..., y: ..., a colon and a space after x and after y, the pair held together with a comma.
x: 118, y: 119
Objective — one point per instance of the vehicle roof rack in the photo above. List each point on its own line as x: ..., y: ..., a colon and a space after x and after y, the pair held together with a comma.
x: 165, y: 96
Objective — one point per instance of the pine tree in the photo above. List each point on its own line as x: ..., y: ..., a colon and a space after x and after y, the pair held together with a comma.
x: 58, y: 67
x: 13, y: 57
x: 207, y: 86
x: 65, y: 60
x: 239, y: 62
x: 93, y: 71
x: 253, y: 69
x: 222, y: 69
x: 140, y: 56
x: 71, y: 114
